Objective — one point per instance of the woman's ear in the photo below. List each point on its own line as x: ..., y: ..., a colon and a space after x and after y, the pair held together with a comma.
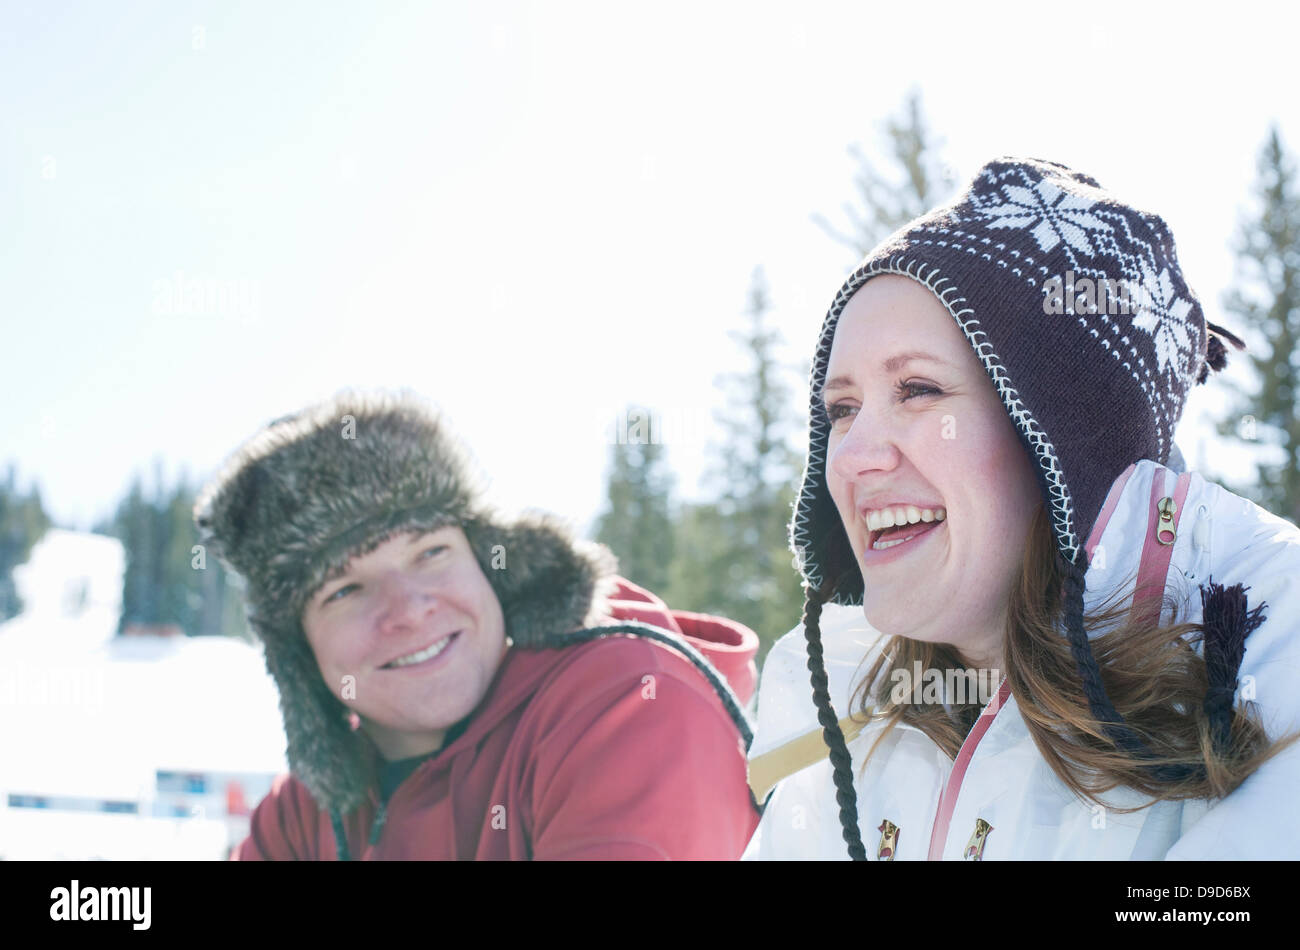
x: 547, y: 583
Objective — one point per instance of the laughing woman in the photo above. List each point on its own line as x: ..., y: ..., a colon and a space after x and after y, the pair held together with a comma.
x: 1041, y: 636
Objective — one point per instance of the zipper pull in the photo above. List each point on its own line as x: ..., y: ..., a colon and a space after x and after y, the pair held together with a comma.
x: 888, y: 841
x: 975, y: 847
x: 1166, y: 507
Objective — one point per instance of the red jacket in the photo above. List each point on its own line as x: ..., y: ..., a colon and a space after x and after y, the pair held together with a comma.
x: 614, y: 749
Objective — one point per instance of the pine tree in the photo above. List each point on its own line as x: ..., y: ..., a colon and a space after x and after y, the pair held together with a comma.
x: 182, y: 584
x: 23, y: 522
x: 890, y: 201
x: 1268, y: 301
x: 732, y: 551
x: 637, y: 524
x: 707, y: 568
x: 132, y: 525
x: 163, y: 583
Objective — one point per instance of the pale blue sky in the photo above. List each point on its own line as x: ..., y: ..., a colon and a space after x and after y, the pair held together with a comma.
x: 533, y: 213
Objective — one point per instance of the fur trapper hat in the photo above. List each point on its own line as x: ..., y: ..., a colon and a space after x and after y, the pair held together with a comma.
x: 313, y: 489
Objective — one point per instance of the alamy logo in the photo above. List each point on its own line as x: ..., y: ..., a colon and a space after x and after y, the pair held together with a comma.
x: 933, y: 686
x: 207, y: 296
x: 102, y: 903
x: 1086, y: 295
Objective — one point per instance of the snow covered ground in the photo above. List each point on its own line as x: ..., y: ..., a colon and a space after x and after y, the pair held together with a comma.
x: 141, y: 747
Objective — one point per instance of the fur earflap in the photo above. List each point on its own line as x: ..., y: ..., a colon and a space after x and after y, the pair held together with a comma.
x: 548, y: 584
x: 336, y: 764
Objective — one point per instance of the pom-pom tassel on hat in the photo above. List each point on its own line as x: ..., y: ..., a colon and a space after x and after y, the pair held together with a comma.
x: 1217, y: 354
x: 1227, y: 623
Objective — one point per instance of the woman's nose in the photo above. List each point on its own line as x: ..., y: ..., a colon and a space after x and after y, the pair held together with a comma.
x: 866, y: 446
x: 404, y: 601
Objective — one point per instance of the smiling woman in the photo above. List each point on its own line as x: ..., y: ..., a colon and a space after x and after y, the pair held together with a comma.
x: 925, y: 432
x: 940, y: 385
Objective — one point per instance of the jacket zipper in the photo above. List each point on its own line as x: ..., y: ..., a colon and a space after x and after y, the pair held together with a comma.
x: 948, y: 797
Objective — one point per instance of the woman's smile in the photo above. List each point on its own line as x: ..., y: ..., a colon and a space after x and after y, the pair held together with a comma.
x: 426, y: 658
x: 898, y: 543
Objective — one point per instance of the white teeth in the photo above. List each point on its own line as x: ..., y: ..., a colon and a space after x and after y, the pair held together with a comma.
x: 910, y: 514
x: 424, y: 654
x: 881, y: 545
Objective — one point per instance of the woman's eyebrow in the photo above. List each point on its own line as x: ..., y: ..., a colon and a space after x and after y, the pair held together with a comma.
x: 837, y: 382
x: 891, y: 365
x: 899, y: 360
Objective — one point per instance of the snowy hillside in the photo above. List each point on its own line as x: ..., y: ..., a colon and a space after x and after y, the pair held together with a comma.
x: 108, y: 740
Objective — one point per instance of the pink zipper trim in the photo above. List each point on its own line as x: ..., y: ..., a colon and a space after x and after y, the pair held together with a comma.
x: 1154, y: 568
x: 948, y: 800
x: 1112, y: 502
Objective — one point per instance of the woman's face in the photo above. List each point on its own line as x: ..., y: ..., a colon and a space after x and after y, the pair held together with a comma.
x: 413, y: 595
x: 930, y: 433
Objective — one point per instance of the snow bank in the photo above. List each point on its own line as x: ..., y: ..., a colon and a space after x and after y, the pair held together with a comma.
x: 91, y: 719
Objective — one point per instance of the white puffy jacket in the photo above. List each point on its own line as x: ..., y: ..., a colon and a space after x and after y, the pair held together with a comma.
x: 999, y: 799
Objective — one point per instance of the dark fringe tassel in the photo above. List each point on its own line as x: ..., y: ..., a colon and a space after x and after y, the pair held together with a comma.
x: 1216, y: 357
x: 341, y: 838
x: 841, y: 761
x: 1112, y: 723
x: 1227, y: 623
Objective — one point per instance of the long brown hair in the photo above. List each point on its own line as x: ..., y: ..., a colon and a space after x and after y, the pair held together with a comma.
x: 1151, y: 673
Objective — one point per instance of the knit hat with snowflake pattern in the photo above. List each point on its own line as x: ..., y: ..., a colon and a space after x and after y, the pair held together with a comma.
x: 1048, y: 277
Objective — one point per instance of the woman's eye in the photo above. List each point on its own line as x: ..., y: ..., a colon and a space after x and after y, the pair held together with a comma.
x: 434, y: 551
x: 904, y: 391
x: 345, y: 589
x: 838, y: 411
x: 908, y: 391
